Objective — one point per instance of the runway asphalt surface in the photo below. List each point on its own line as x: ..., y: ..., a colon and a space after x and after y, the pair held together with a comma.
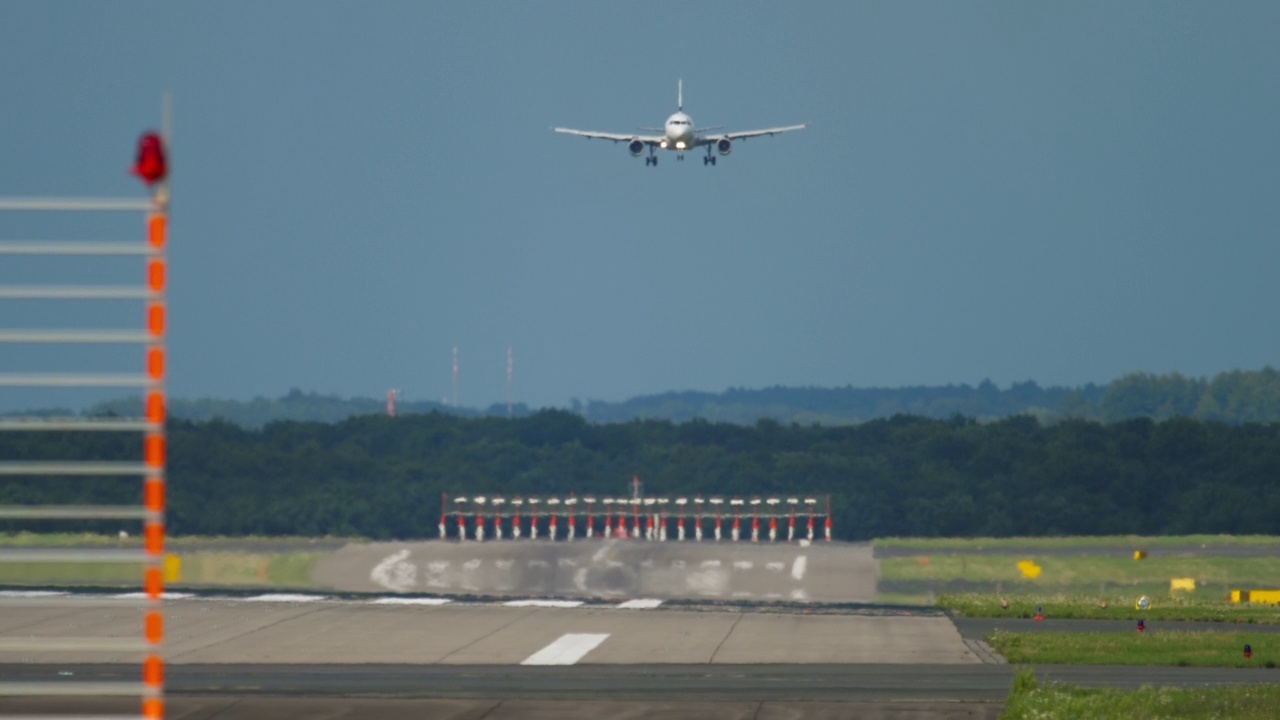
x: 796, y: 692
x: 665, y: 630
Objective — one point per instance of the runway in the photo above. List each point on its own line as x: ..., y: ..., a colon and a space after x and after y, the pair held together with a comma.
x: 590, y: 692
x: 317, y: 632
x: 588, y: 630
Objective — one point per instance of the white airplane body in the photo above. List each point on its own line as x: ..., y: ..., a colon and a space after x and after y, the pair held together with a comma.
x: 680, y: 134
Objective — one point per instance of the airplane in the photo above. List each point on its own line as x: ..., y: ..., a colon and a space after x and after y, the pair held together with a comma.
x: 680, y: 134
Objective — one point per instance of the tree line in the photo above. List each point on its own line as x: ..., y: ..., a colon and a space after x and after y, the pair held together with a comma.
x: 1232, y: 397
x: 380, y: 477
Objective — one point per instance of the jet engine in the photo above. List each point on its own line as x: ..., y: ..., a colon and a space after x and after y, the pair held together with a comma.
x: 636, y: 147
x: 724, y: 146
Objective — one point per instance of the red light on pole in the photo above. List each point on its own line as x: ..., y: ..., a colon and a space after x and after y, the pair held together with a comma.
x: 150, y: 165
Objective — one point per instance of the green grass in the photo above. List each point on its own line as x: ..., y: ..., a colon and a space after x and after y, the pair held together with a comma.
x: 1031, y: 701
x: 49, y: 540
x: 199, y: 569
x: 904, y: 599
x: 1137, y: 542
x: 285, y: 570
x: 1057, y: 571
x: 1189, y: 649
x: 1063, y: 606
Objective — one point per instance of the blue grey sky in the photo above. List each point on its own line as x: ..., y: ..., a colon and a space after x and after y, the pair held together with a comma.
x: 1063, y: 192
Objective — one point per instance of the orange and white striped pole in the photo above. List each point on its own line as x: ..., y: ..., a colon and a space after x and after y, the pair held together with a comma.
x: 155, y: 458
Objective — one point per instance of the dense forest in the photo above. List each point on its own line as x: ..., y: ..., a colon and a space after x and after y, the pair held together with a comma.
x: 382, y: 477
x: 1233, y: 397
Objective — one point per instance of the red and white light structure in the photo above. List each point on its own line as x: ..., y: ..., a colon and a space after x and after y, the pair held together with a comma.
x: 647, y: 519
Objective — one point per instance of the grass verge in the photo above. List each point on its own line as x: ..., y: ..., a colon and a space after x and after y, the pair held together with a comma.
x: 84, y: 540
x: 1032, y: 701
x: 1057, y: 571
x: 1023, y: 543
x: 1163, y: 608
x: 1183, y: 649
x: 199, y: 569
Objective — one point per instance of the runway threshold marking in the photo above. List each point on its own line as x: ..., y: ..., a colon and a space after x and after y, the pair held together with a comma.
x: 568, y: 649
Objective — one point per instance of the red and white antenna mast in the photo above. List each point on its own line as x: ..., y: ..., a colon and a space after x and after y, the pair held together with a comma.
x: 455, y: 376
x: 391, y: 402
x: 511, y: 374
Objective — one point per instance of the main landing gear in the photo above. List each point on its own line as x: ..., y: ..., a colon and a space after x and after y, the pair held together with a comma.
x: 652, y: 159
x: 709, y: 160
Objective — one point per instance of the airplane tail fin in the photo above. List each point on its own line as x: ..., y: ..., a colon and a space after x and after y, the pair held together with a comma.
x: 680, y: 95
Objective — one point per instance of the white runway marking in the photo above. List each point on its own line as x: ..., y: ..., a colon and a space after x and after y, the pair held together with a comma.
x: 776, y: 566
x: 641, y: 604
x: 742, y: 594
x: 799, y: 595
x: 710, y: 563
x: 567, y: 650
x: 538, y: 563
x: 797, y: 568
x: 163, y: 596
x: 471, y: 565
x: 410, y: 601
x: 395, y: 572
x: 743, y: 565
x: 285, y: 597
x: 30, y: 593
x: 604, y: 550
x: 504, y: 564
x: 544, y: 603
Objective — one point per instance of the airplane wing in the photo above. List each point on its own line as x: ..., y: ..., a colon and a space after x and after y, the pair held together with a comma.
x: 613, y: 137
x: 743, y: 134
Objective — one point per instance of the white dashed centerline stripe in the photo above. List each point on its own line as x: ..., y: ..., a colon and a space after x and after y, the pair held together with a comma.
x: 797, y: 568
x: 641, y: 604
x: 285, y: 597
x: 544, y: 603
x: 567, y: 650
x: 410, y: 601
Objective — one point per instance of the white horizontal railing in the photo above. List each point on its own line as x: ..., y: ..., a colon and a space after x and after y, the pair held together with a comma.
x: 102, y: 337
x: 75, y: 248
x: 39, y: 204
x: 83, y: 467
x: 82, y: 380
x: 75, y: 292
x: 44, y: 424
x: 75, y: 512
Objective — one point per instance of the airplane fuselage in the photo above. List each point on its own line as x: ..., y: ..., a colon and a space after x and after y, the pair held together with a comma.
x: 679, y: 132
